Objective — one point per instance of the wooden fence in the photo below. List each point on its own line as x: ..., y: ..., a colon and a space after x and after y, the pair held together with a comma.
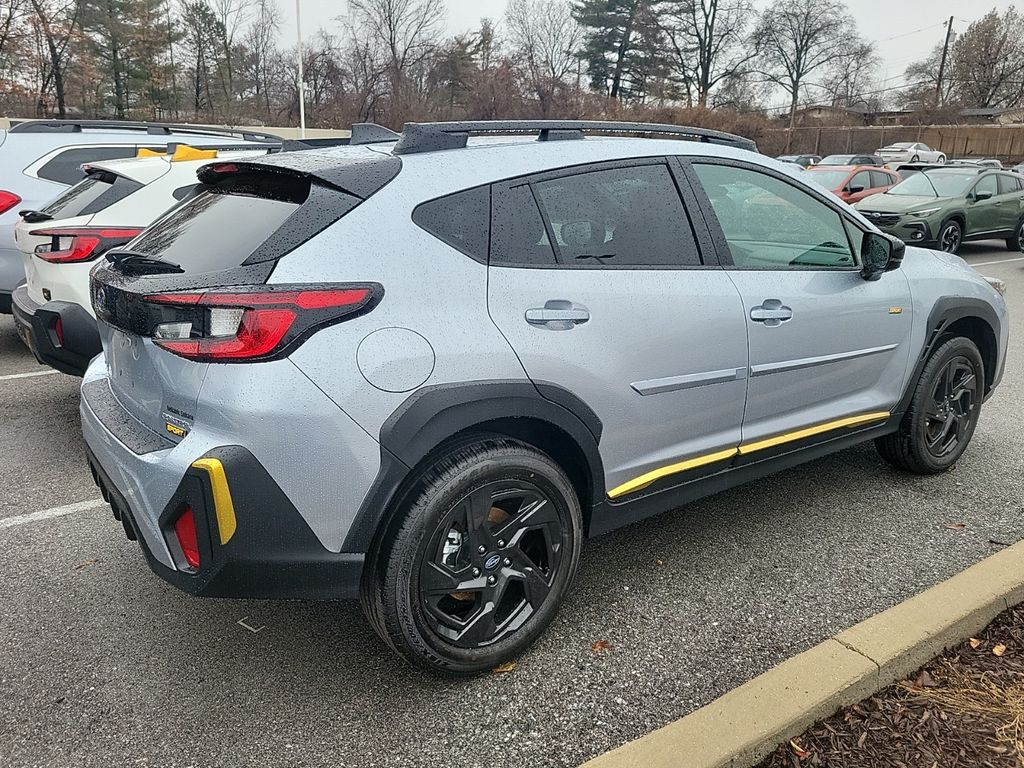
x: 1004, y: 142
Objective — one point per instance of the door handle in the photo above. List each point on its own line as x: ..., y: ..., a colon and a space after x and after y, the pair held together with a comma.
x: 771, y: 312
x: 558, y: 315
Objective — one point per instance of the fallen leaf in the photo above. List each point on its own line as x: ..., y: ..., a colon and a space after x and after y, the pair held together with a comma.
x: 975, y: 642
x: 955, y: 526
x: 924, y: 680
x: 501, y: 669
x: 998, y: 650
x: 659, y: 562
x: 798, y: 750
x: 85, y: 563
x: 599, y: 646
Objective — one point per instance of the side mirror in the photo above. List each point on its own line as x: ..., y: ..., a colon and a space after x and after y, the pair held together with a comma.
x: 880, y: 253
x: 856, y: 190
x: 983, y: 195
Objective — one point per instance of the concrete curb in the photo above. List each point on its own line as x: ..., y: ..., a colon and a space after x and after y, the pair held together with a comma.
x: 746, y: 724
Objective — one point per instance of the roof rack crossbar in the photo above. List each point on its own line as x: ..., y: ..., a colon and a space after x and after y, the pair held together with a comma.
x: 153, y: 129
x: 427, y: 137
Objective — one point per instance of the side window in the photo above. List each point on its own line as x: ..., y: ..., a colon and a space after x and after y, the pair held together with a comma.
x: 463, y: 220
x: 881, y: 179
x: 1008, y: 185
x: 65, y: 167
x: 618, y: 217
x: 518, y: 236
x: 862, y: 180
x: 987, y: 184
x: 771, y: 224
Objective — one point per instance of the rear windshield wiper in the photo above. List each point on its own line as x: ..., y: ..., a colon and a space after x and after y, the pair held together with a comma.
x: 141, y: 264
x: 34, y: 217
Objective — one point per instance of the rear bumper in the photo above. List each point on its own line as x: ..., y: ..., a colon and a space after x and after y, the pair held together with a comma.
x: 69, y: 350
x: 270, y: 553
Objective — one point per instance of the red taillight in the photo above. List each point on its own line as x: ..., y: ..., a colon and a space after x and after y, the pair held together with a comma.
x: 84, y: 244
x: 8, y: 200
x: 254, y: 324
x: 185, y: 530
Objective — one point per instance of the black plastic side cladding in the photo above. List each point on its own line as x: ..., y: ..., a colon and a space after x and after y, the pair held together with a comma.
x: 433, y: 415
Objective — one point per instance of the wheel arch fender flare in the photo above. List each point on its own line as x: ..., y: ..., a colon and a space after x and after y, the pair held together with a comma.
x: 434, y: 415
x: 947, y: 311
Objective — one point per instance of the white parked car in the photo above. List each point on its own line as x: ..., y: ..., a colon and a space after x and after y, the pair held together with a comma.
x: 61, y: 242
x: 910, y: 152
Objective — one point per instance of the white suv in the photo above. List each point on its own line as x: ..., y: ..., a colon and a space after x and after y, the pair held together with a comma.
x: 61, y: 242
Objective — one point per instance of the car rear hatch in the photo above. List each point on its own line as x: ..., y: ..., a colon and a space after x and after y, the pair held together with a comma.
x: 61, y: 231
x: 192, y: 290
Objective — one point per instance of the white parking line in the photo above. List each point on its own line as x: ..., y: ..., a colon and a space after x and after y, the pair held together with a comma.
x: 992, y: 263
x: 7, y: 376
x: 46, y: 514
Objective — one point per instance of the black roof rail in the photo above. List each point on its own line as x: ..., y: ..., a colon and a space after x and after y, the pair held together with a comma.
x: 151, y: 129
x: 427, y: 137
x: 297, y: 145
x: 371, y: 133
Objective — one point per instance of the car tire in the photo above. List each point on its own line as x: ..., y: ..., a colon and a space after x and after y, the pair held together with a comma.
x: 915, y: 159
x: 478, y: 559
x: 951, y: 236
x: 943, y: 412
x: 1016, y: 241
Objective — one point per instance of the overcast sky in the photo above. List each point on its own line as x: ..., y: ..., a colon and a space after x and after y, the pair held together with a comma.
x: 904, y: 30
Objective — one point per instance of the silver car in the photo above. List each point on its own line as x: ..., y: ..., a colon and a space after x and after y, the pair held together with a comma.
x: 39, y: 159
x: 422, y: 369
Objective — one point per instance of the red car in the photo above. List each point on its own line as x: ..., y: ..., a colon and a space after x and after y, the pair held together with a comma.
x: 854, y: 182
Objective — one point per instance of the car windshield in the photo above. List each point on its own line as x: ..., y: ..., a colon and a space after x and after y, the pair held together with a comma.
x: 837, y: 160
x: 830, y: 179
x: 934, y: 184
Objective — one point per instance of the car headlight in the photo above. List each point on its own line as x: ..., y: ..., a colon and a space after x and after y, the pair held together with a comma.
x: 925, y: 212
x: 996, y: 283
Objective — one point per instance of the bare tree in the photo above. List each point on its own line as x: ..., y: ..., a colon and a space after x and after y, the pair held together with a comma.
x: 406, y: 31
x: 987, y: 62
x: 260, y: 42
x: 795, y: 38
x: 850, y: 80
x: 57, y: 24
x: 544, y: 38
x: 707, y: 42
x: 232, y: 16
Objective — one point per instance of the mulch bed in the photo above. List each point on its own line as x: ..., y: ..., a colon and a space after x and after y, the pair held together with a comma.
x: 963, y: 709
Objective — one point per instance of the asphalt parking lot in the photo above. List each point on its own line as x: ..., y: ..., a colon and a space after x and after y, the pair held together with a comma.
x: 102, y: 663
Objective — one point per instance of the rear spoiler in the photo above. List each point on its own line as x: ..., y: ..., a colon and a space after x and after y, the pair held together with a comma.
x: 359, y: 174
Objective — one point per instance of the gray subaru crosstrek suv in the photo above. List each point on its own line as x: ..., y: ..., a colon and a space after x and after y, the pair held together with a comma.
x: 421, y: 369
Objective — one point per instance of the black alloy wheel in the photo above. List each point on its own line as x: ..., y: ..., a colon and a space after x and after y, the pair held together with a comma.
x: 950, y: 414
x: 490, y: 563
x: 479, y: 559
x: 943, y: 411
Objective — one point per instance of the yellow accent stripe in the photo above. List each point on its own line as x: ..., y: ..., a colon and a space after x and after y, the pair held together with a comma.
x: 654, y: 475
x: 144, y: 152
x: 222, y: 503
x: 788, y: 437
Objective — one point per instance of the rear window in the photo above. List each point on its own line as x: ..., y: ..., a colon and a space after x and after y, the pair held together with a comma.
x: 66, y: 167
x: 96, y: 193
x: 223, y: 225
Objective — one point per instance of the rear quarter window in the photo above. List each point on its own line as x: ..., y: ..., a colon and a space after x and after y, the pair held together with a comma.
x: 462, y: 220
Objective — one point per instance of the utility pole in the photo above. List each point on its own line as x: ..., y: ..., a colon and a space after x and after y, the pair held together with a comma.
x: 942, y: 64
x: 302, y: 85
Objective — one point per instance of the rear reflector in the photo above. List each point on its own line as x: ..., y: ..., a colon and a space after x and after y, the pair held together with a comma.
x: 252, y: 323
x: 185, y: 530
x: 8, y: 200
x: 72, y: 245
